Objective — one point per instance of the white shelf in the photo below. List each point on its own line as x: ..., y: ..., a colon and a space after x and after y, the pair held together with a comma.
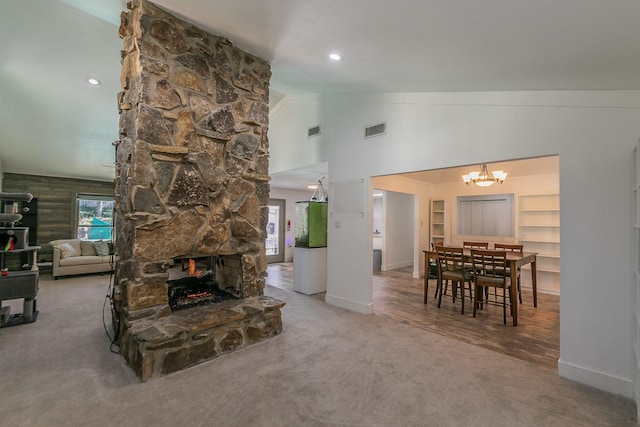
x: 542, y: 269
x: 438, y: 221
x: 539, y: 202
x: 548, y: 256
x: 539, y: 231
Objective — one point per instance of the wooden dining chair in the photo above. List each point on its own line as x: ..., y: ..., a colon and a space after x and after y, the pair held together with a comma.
x: 476, y: 245
x: 428, y: 273
x: 435, y: 295
x: 431, y: 271
x: 512, y: 248
x: 452, y: 266
x: 490, y: 271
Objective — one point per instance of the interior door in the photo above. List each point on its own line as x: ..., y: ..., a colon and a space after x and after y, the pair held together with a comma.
x: 274, y: 243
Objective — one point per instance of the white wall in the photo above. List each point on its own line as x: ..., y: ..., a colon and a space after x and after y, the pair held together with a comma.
x: 293, y: 116
x: 291, y: 197
x: 378, y: 218
x: 423, y: 193
x: 398, y: 236
x: 594, y: 134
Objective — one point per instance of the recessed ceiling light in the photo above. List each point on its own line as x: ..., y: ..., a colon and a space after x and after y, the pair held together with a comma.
x: 335, y: 56
x: 93, y: 81
x: 312, y: 186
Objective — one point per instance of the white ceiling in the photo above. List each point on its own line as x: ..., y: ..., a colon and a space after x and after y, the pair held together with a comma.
x: 513, y: 168
x: 299, y: 178
x: 53, y: 123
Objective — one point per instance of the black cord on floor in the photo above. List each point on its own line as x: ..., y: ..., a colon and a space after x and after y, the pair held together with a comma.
x: 112, y: 341
x: 114, y: 317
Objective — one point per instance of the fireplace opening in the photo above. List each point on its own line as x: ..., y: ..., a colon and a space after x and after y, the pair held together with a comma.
x: 220, y: 283
x: 191, y: 291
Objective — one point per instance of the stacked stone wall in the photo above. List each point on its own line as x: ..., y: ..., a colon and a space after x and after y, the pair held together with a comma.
x: 191, y: 162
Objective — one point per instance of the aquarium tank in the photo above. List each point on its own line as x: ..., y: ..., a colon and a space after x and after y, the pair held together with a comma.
x: 311, y: 224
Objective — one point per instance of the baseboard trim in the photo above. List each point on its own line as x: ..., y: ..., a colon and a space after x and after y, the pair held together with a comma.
x: 599, y: 380
x: 358, y: 307
x: 396, y: 265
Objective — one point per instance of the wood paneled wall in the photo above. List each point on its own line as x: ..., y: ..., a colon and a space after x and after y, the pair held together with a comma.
x: 56, y: 204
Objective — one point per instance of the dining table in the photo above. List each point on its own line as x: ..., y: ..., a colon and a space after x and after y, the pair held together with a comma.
x: 515, y: 261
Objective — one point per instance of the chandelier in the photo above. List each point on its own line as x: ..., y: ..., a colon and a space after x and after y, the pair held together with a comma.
x: 482, y: 178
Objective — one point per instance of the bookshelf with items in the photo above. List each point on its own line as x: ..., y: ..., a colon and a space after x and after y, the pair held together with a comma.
x: 438, y: 221
x: 14, y: 240
x: 539, y: 231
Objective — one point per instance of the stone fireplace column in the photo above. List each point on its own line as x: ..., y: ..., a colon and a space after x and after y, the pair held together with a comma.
x: 191, y: 181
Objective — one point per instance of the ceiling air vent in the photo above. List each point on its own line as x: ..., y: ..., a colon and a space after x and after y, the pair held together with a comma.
x: 375, y: 130
x: 314, y: 131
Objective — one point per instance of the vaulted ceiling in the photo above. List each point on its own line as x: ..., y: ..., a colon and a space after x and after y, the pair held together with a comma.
x: 53, y: 123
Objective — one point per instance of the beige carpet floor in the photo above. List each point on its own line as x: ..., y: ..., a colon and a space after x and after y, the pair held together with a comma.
x: 329, y: 367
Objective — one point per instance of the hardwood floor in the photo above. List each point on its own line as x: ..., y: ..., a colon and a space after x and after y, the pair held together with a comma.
x: 398, y: 296
x: 280, y: 275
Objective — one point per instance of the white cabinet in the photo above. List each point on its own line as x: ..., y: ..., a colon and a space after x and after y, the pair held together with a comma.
x: 438, y: 221
x: 310, y: 270
x: 539, y: 231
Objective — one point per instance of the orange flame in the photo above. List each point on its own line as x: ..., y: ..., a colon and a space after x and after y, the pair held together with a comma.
x: 192, y: 269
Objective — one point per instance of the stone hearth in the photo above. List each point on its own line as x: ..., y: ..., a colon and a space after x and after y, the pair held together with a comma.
x: 191, y: 181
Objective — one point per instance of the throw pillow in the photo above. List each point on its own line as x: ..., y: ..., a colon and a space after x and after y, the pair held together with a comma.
x: 87, y: 249
x: 66, y: 250
x: 101, y: 247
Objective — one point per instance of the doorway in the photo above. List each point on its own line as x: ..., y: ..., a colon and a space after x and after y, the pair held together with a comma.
x: 535, y: 223
x: 393, y: 229
x: 274, y: 243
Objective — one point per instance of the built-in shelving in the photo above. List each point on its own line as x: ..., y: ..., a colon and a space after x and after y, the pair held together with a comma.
x: 539, y: 231
x: 438, y: 221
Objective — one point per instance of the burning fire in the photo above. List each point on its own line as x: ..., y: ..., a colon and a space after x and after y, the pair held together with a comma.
x: 196, y: 295
x: 193, y: 272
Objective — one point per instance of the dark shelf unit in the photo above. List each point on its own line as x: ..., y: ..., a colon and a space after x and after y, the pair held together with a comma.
x: 17, y: 215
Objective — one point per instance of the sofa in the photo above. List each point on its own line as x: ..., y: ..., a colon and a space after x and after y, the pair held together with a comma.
x: 75, y: 256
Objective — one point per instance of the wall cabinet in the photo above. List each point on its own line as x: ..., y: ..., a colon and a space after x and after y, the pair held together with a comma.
x: 539, y: 231
x: 438, y: 221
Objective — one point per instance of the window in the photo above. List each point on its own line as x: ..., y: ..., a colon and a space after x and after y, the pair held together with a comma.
x: 94, y: 217
x: 486, y: 215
